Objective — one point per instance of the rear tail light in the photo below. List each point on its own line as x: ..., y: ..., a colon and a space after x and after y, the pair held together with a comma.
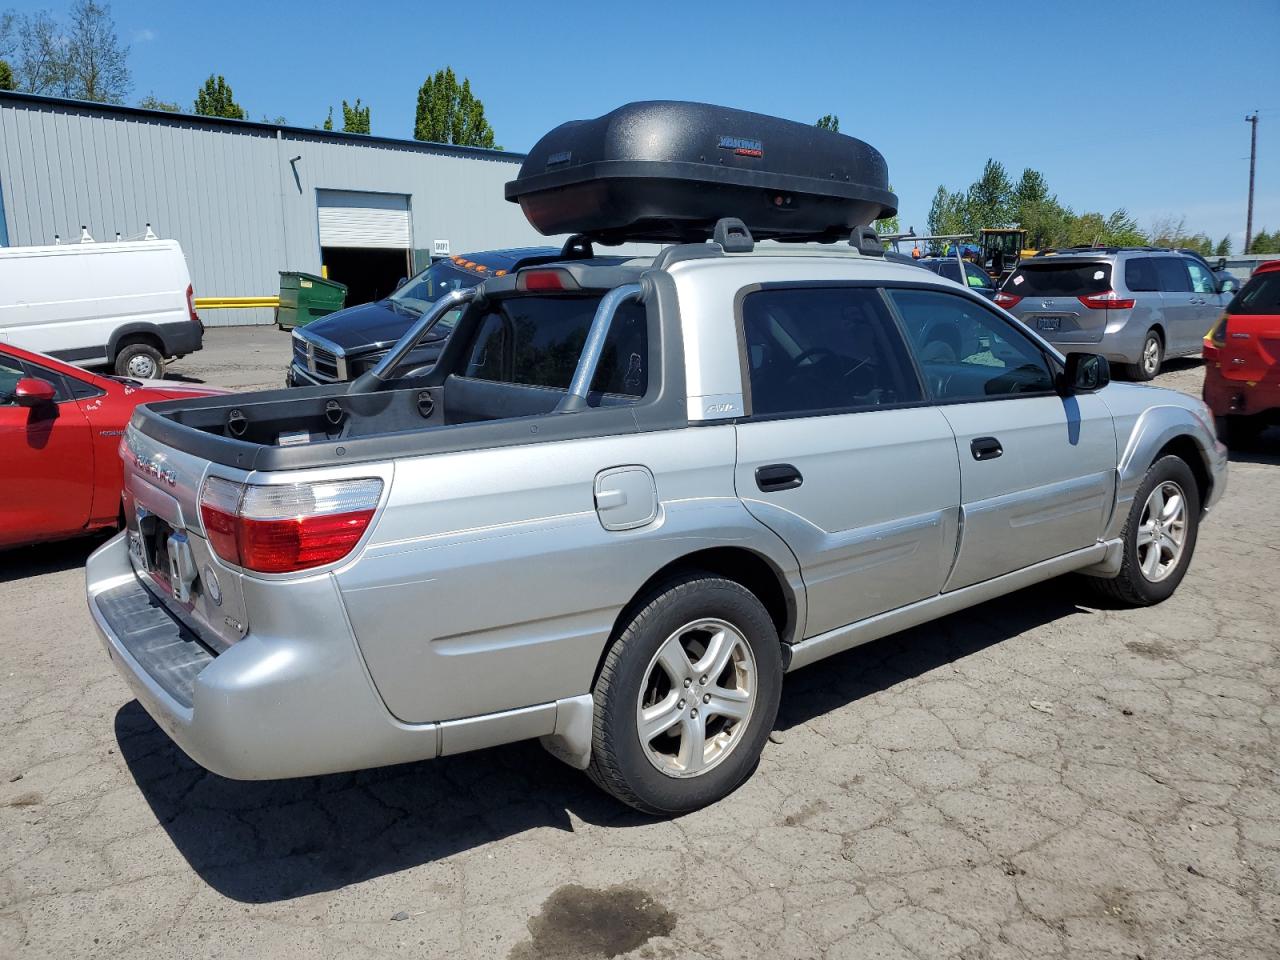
x: 191, y: 305
x: 282, y: 528
x: 1006, y: 300
x: 1218, y: 334
x: 1107, y: 300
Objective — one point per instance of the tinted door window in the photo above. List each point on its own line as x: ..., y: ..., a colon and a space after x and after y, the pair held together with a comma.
x: 1172, y: 275
x: 967, y: 352
x: 12, y: 370
x: 537, y: 341
x: 1201, y: 279
x: 1140, y: 275
x: 824, y: 350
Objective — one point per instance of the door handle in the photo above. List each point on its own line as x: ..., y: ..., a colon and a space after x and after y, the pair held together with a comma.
x: 778, y: 476
x: 985, y: 448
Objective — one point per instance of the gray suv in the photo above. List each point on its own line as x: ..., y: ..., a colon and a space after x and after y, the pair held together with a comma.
x: 1135, y: 306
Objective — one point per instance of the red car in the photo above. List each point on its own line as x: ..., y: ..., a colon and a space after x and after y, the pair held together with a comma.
x: 1242, y: 359
x: 60, y: 430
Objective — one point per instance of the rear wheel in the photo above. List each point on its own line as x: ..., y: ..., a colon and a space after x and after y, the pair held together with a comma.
x: 686, y: 697
x: 140, y: 360
x: 1159, y: 536
x: 1149, y: 360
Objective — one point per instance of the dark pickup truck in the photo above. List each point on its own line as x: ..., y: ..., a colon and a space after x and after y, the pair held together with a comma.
x: 345, y: 344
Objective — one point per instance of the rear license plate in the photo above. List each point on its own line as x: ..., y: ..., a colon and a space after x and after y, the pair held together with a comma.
x: 1049, y: 324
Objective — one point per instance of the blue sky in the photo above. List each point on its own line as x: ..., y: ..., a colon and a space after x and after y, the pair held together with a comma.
x: 1136, y: 104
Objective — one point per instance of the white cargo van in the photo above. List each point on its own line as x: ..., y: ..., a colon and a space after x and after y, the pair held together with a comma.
x: 128, y: 305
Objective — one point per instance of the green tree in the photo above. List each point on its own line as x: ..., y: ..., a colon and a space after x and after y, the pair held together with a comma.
x: 152, y: 102
x: 328, y: 121
x: 355, y: 118
x: 1223, y: 249
x: 946, y: 213
x: 829, y: 121
x: 990, y: 199
x: 1264, y: 242
x: 7, y: 82
x: 448, y: 112
x: 215, y: 99
x: 1121, y: 230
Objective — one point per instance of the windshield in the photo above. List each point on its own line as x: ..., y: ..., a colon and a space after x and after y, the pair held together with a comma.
x: 1063, y: 278
x: 432, y: 284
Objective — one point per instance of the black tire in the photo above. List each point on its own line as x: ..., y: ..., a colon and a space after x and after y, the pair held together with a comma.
x: 1142, y: 371
x: 1131, y: 586
x: 1239, y: 432
x: 133, y: 354
x: 618, y: 760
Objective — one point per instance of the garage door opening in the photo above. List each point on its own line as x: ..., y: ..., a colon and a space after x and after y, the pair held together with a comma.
x: 365, y: 241
x: 369, y: 274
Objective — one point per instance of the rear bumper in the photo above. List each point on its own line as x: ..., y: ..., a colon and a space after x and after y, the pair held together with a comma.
x: 181, y: 338
x: 280, y: 703
x: 1227, y: 397
x: 293, y: 698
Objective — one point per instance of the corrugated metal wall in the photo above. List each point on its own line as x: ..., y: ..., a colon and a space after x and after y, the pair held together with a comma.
x: 230, y: 193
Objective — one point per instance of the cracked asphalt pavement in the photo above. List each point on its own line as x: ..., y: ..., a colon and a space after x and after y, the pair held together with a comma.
x: 1037, y: 777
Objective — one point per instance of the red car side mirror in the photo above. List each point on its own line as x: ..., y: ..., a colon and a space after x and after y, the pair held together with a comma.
x: 33, y: 392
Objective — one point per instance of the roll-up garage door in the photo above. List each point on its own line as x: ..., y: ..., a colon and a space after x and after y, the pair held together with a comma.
x: 350, y: 218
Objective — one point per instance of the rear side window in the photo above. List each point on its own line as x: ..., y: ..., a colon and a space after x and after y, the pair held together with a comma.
x: 1259, y: 297
x: 815, y: 350
x: 536, y: 341
x: 1069, y: 278
x: 1172, y: 275
x: 1140, y: 275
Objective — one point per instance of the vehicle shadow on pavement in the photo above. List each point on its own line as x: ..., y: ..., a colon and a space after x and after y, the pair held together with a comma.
x: 266, y: 841
x: 881, y: 664
x: 21, y: 563
x: 274, y: 840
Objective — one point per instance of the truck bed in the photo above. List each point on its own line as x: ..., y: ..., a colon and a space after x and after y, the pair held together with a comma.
x: 319, y: 426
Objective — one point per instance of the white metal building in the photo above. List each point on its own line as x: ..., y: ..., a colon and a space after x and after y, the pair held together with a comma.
x: 247, y: 200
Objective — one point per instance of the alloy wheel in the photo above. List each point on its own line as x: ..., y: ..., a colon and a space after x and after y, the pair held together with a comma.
x: 696, y: 701
x: 1162, y: 534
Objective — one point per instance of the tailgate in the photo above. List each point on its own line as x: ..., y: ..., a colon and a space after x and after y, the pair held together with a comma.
x: 167, y: 546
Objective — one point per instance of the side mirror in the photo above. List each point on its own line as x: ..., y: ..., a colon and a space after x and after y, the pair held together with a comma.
x: 1085, y: 373
x: 33, y: 392
x: 1222, y: 264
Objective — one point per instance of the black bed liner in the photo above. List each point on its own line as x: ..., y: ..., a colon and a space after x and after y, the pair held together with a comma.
x: 667, y: 171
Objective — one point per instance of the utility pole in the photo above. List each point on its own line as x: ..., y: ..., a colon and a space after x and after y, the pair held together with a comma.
x: 1253, y: 159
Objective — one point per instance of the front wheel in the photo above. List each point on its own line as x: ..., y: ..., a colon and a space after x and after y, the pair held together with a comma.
x: 1159, y: 536
x: 686, y: 697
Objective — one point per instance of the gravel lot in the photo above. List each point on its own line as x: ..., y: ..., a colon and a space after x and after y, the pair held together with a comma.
x: 1037, y: 777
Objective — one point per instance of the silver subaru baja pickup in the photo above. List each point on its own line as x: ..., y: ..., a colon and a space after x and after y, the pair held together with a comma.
x: 631, y: 494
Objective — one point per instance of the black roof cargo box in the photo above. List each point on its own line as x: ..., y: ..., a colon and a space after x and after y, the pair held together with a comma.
x: 666, y: 171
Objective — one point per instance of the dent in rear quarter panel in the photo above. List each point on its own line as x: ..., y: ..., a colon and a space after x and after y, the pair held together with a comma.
x: 490, y: 583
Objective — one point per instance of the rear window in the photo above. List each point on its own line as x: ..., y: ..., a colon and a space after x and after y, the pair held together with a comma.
x: 1060, y: 279
x: 536, y: 341
x: 1259, y: 297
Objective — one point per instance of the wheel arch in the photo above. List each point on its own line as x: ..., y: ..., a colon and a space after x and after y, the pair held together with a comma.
x: 129, y: 333
x: 1165, y: 430
x: 753, y: 570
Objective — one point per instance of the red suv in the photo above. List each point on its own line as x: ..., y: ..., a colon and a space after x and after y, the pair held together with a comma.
x: 1242, y: 359
x: 60, y: 430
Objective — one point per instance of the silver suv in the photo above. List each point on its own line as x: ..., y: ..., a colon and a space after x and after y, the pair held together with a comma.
x: 1135, y: 306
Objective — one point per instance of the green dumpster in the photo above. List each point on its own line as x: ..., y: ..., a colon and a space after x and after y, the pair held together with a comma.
x: 305, y: 297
